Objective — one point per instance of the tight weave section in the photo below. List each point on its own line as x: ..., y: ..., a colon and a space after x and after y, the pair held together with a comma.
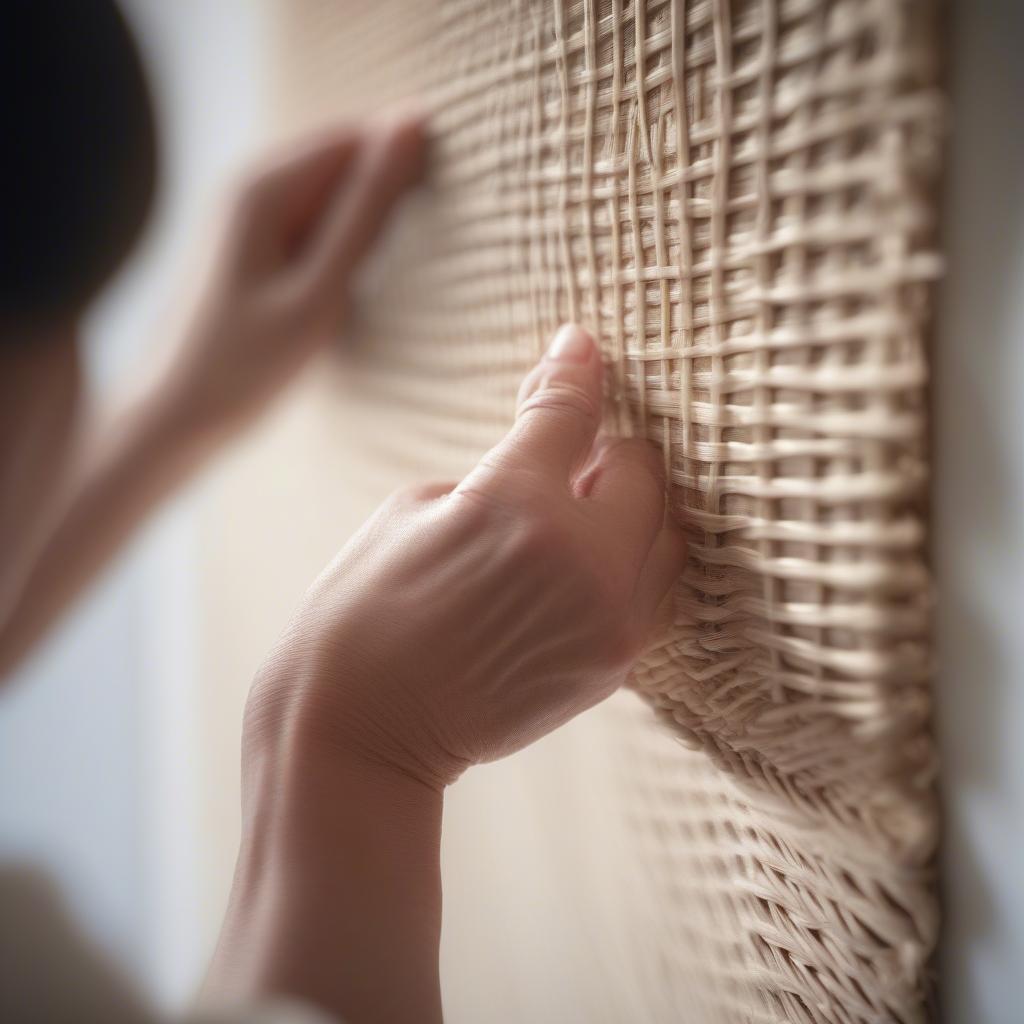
x: 736, y: 198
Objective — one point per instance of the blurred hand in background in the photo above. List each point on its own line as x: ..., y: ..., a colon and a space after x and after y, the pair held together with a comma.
x: 278, y: 286
x: 273, y: 289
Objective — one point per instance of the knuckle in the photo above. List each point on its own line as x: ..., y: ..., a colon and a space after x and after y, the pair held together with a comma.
x: 479, y: 508
x: 530, y: 384
x: 499, y: 459
x: 562, y: 397
x: 404, y: 497
x: 537, y: 539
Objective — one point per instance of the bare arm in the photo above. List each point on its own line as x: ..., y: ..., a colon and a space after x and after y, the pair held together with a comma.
x: 275, y: 294
x: 122, y: 467
x: 337, y: 891
x: 459, y: 625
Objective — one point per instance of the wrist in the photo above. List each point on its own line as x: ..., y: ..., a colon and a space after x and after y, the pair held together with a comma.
x: 328, y: 699
x: 338, y: 874
x: 301, y: 792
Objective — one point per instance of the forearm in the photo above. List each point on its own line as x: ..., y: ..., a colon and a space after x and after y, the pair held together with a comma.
x: 273, y: 296
x: 337, y: 893
x: 125, y: 464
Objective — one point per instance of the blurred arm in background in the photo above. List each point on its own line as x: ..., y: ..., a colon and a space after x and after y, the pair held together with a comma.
x: 275, y: 293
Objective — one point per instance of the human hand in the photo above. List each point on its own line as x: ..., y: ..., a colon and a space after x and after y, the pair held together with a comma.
x: 463, y: 623
x: 278, y: 288
x: 459, y: 625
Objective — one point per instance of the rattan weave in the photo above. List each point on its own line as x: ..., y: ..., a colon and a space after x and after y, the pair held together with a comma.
x: 736, y: 198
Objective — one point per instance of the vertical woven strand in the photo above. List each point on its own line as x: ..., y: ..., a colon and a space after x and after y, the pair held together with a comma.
x: 684, y: 266
x: 552, y: 184
x: 662, y: 382
x: 635, y: 145
x: 618, y: 158
x: 716, y: 254
x: 590, y: 70
x: 537, y: 220
x: 570, y: 285
x: 764, y: 433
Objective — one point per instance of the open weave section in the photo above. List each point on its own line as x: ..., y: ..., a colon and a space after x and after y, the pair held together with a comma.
x: 735, y: 197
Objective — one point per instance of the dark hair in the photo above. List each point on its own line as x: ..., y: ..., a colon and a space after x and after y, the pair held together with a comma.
x: 79, y: 153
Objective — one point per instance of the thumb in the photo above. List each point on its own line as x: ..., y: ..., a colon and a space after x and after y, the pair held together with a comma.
x: 558, y: 410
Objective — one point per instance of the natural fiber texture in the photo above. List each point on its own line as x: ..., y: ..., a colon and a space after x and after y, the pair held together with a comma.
x: 735, y: 197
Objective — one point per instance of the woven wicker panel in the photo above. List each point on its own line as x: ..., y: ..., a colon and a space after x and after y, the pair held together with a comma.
x: 736, y: 198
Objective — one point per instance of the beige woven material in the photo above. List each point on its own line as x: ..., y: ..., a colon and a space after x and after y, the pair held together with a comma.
x: 735, y: 197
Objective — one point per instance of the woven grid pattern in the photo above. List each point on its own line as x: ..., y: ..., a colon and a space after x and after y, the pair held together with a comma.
x: 735, y: 197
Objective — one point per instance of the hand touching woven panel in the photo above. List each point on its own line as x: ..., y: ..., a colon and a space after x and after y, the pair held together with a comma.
x: 735, y: 198
x: 521, y: 595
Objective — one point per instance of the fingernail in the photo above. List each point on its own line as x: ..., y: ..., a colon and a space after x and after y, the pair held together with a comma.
x: 571, y: 344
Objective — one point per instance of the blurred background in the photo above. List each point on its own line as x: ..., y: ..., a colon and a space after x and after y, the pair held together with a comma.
x: 102, y: 748
x: 99, y: 760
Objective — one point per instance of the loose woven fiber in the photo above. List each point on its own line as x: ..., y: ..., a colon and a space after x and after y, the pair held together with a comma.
x: 735, y: 196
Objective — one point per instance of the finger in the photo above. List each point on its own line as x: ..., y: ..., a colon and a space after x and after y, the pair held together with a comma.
x: 389, y: 162
x: 559, y: 411
x: 326, y: 147
x: 287, y: 193
x: 625, y: 482
x: 665, y: 563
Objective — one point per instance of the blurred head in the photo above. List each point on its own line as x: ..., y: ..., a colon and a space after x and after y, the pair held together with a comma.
x: 78, y: 178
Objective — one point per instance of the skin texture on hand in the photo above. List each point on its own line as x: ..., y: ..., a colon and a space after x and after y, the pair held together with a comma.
x: 275, y: 292
x: 461, y: 624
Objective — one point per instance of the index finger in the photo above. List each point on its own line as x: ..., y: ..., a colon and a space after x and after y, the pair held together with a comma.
x: 289, y: 190
x: 389, y: 161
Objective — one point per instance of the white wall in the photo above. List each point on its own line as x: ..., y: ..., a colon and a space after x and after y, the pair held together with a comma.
x: 979, y: 520
x: 97, y: 775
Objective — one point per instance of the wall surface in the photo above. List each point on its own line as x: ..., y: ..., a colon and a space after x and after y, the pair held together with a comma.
x: 98, y: 777
x: 978, y: 537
